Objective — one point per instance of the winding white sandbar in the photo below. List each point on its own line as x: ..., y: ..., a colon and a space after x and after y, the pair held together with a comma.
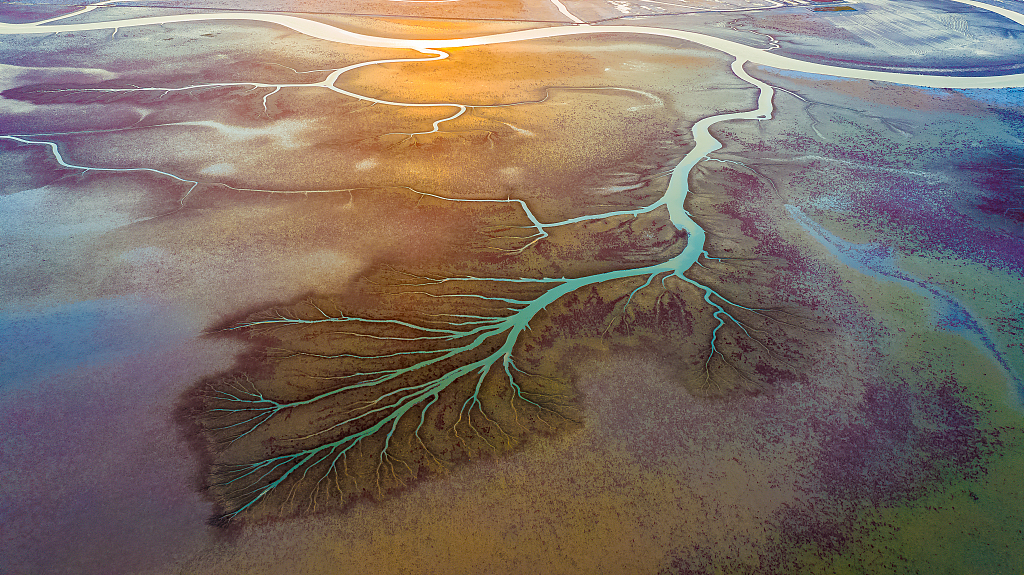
x: 565, y: 11
x: 331, y: 33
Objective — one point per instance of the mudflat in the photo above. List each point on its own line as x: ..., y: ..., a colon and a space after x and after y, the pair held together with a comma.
x: 465, y: 287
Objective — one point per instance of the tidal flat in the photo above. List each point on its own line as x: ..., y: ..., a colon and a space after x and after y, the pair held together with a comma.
x: 602, y: 301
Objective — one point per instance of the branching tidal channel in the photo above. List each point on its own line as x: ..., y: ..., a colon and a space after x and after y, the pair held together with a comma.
x: 402, y: 397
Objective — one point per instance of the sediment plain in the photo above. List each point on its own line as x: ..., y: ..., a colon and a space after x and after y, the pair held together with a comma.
x: 227, y: 243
